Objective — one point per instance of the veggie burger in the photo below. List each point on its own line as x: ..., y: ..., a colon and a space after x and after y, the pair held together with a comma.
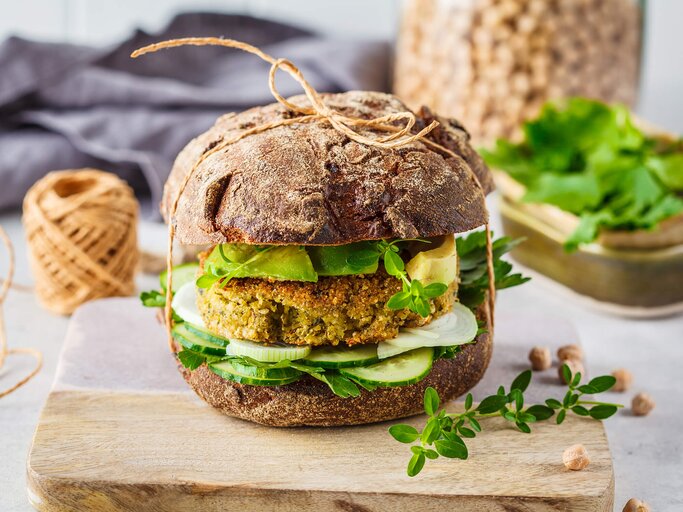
x: 332, y: 288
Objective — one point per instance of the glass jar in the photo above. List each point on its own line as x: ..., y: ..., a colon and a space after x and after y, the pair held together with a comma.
x: 492, y: 63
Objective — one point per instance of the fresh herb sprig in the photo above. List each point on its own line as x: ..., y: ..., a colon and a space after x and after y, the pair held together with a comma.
x: 157, y: 299
x: 153, y: 299
x: 444, y: 433
x: 474, y: 278
x: 414, y: 295
x: 339, y: 384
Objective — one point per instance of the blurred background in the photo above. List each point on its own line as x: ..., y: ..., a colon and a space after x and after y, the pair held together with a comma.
x: 102, y: 22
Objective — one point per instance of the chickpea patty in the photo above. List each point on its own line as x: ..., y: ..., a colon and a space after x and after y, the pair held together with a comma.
x: 346, y: 309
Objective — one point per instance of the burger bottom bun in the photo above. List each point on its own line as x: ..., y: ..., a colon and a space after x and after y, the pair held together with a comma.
x: 310, y: 402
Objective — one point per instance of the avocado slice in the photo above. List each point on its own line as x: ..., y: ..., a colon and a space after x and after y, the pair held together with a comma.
x: 438, y: 265
x: 333, y: 260
x: 285, y: 262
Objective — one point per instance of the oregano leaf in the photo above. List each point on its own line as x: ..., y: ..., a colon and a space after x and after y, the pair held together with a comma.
x: 404, y: 433
x: 602, y: 412
x: 451, y: 449
x: 522, y: 381
x: 431, y: 401
x: 416, y: 463
x: 393, y: 264
x: 603, y: 383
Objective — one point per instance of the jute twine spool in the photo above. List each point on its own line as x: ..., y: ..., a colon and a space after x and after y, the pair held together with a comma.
x: 81, y: 227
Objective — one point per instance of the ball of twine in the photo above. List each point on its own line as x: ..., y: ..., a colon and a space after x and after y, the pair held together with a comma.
x: 81, y: 227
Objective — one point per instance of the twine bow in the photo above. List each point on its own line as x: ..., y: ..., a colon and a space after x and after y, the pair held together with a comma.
x: 317, y: 112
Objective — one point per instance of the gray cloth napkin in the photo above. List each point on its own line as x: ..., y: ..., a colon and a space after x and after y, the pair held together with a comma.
x: 66, y: 106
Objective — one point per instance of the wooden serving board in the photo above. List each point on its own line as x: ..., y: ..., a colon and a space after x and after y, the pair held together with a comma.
x: 120, y: 432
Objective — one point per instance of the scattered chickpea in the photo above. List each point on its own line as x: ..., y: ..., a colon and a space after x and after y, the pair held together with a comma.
x: 575, y: 366
x: 576, y: 457
x: 570, y: 352
x: 635, y: 505
x: 540, y: 358
x: 624, y: 380
x: 642, y: 404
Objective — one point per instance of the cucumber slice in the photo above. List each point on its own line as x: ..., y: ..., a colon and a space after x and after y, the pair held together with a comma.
x: 185, y: 304
x: 265, y: 373
x: 206, y: 335
x: 182, y: 274
x: 245, y: 374
x: 400, y: 370
x: 342, y: 357
x: 191, y: 341
x: 267, y: 353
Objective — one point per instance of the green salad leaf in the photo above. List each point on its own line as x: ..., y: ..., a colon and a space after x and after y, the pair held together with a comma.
x: 339, y: 384
x: 474, y: 279
x: 589, y: 158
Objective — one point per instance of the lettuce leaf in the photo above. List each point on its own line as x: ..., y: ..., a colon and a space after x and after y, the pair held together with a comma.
x: 590, y: 159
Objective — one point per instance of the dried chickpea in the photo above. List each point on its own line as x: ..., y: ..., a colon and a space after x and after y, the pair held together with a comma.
x: 635, y: 505
x: 570, y: 352
x: 624, y: 380
x: 576, y: 457
x: 540, y: 358
x: 642, y: 404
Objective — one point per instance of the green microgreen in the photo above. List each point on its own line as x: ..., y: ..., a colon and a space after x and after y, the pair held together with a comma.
x: 157, y: 299
x: 474, y: 279
x: 413, y: 295
x: 444, y: 433
x: 153, y: 299
x: 339, y: 384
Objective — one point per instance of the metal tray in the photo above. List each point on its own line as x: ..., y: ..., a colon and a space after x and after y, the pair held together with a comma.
x: 632, y: 282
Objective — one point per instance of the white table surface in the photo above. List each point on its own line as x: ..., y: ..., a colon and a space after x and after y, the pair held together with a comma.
x: 647, y: 452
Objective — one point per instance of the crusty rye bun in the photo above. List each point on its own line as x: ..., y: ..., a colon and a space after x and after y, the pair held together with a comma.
x: 307, y: 183
x: 309, y: 402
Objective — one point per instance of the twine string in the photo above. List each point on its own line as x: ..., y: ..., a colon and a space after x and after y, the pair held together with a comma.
x: 5, y: 351
x: 318, y: 111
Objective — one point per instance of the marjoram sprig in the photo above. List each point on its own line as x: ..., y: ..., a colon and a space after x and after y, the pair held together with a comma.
x: 414, y: 295
x: 444, y: 433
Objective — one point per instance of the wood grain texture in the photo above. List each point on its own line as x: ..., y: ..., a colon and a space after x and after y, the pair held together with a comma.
x: 100, y: 451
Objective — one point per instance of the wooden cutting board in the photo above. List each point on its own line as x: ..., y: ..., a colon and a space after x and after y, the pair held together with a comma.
x: 120, y: 432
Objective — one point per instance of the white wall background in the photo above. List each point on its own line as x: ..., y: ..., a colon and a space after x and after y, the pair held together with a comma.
x: 102, y: 22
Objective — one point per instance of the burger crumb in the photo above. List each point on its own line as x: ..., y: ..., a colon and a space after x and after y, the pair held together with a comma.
x: 576, y: 457
x: 624, y: 380
x: 575, y: 366
x: 540, y: 358
x: 642, y: 404
x: 635, y: 505
x: 570, y: 352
